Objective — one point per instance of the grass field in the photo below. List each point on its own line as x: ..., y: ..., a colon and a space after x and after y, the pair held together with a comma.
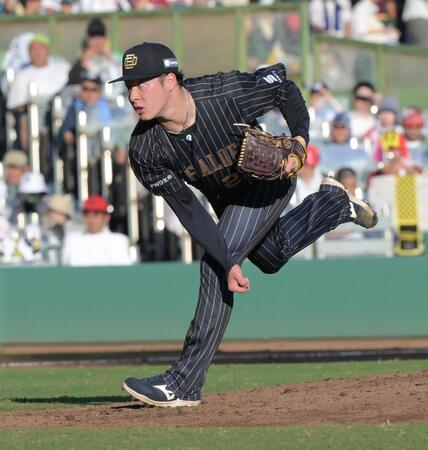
x: 42, y: 388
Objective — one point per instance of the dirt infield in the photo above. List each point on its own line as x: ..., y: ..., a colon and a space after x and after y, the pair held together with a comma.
x: 396, y: 398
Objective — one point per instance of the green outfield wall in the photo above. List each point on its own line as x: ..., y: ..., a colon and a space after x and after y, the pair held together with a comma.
x: 155, y: 302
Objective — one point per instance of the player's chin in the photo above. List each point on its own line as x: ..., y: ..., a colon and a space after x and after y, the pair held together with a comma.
x: 144, y: 114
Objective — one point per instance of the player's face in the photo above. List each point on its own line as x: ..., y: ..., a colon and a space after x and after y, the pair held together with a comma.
x: 149, y: 98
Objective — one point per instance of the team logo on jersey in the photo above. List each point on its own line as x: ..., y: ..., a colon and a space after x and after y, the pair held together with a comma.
x: 130, y: 61
x: 272, y: 77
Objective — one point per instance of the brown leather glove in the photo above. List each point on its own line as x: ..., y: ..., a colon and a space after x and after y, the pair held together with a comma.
x: 265, y: 156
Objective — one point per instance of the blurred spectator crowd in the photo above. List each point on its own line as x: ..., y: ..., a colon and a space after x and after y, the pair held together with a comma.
x: 366, y: 136
x: 382, y: 21
x: 54, y: 111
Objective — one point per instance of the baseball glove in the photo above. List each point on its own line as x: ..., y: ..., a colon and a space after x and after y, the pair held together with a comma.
x: 265, y: 156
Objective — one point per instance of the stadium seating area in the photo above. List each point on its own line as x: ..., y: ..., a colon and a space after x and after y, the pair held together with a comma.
x: 64, y: 132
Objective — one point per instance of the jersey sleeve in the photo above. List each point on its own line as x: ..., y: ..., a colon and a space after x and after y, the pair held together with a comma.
x: 268, y: 88
x: 200, y: 225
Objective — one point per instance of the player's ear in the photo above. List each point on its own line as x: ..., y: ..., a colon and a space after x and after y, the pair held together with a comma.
x: 170, y: 80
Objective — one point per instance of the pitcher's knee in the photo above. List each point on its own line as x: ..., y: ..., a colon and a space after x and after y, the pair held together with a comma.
x: 268, y: 268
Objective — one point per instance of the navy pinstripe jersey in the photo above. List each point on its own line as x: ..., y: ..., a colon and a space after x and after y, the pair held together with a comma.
x: 204, y: 154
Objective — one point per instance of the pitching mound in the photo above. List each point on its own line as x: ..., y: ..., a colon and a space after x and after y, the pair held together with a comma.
x: 401, y: 397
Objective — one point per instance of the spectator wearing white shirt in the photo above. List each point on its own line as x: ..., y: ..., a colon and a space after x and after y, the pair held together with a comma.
x: 103, y: 6
x: 309, y: 176
x: 367, y: 26
x: 332, y: 17
x: 49, y: 75
x: 96, y: 245
x: 362, y: 118
x: 415, y: 17
x: 15, y: 165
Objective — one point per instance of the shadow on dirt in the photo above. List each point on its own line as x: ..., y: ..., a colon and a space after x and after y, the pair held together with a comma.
x: 74, y: 400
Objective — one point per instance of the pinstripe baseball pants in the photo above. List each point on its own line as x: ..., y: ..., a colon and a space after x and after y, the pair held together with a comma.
x: 252, y: 228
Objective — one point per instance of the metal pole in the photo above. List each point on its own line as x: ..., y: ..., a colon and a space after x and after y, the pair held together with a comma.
x: 106, y: 161
x: 2, y: 197
x: 34, y: 129
x: 58, y: 163
x: 132, y: 209
x: 10, y: 120
x: 186, y: 248
x: 82, y: 159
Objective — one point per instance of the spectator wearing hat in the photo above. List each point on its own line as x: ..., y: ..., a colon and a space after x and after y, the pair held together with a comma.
x: 50, y: 76
x: 23, y: 238
x: 97, y: 59
x: 99, y: 114
x: 340, y: 151
x: 96, y: 245
x: 15, y: 165
x: 322, y: 107
x: 322, y: 100
x: 90, y: 100
x: 48, y: 73
x: 32, y: 189
x: 59, y: 211
x: 387, y: 134
x: 413, y: 123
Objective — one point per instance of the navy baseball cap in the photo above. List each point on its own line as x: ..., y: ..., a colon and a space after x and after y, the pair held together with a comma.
x: 147, y: 60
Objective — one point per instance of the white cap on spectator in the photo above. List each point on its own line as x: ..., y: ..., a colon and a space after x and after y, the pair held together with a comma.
x: 60, y: 204
x: 15, y: 158
x: 33, y: 183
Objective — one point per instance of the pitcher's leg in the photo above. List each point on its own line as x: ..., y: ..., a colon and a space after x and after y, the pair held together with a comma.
x: 317, y: 214
x: 243, y: 226
x: 187, y: 376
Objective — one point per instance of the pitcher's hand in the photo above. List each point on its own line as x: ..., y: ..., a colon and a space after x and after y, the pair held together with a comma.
x: 236, y: 280
x: 292, y: 165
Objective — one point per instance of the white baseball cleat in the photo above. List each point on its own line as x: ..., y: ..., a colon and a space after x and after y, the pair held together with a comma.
x: 361, y: 212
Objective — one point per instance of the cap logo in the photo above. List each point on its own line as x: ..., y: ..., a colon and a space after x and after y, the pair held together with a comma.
x: 170, y: 62
x: 130, y: 61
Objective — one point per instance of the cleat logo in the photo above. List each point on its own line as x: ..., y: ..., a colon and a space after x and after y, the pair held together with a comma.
x: 168, y: 394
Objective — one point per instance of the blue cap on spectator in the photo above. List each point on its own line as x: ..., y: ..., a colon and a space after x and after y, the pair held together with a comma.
x: 342, y: 119
x: 318, y: 86
x: 389, y: 103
